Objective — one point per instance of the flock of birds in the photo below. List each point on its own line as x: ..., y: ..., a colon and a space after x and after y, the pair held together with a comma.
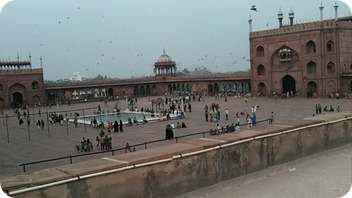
x: 204, y: 58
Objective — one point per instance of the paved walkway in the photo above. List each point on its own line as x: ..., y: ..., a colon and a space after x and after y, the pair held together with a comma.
x: 316, y: 175
x: 63, y: 139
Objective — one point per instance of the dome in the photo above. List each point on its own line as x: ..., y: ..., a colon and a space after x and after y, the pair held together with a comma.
x: 164, y: 58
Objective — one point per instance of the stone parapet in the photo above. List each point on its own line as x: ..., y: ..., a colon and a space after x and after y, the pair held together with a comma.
x: 174, y: 169
x: 21, y: 71
x: 303, y: 27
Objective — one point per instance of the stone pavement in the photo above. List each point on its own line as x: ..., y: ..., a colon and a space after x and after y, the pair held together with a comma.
x: 27, y: 145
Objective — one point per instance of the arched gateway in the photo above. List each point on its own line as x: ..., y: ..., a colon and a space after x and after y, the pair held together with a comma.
x: 288, y: 84
x: 17, y: 99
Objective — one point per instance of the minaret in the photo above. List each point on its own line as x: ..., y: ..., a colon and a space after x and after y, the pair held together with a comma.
x: 291, y: 15
x: 250, y: 23
x: 280, y: 16
x: 321, y: 7
x: 18, y: 57
x: 336, y: 6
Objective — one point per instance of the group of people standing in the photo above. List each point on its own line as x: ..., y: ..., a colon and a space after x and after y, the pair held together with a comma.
x: 117, y: 127
x: 40, y: 125
x: 104, y: 140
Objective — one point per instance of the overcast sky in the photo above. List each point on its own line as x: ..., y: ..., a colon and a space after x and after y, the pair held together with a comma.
x: 123, y: 38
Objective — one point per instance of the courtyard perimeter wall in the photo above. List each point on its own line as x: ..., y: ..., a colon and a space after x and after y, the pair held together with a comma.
x: 175, y: 169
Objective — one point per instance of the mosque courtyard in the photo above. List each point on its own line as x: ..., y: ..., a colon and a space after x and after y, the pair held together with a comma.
x: 30, y: 144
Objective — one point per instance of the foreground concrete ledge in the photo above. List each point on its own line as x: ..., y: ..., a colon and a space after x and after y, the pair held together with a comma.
x: 91, y: 166
x: 217, y: 140
x: 44, y: 176
x: 33, y: 179
x: 127, y: 159
x: 330, y: 116
x: 40, y: 177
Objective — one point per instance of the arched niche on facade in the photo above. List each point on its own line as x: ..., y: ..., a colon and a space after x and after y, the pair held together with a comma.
x: 154, y: 92
x: 259, y: 51
x: 96, y: 93
x: 312, y: 89
x: 331, y: 87
x: 311, y: 67
x: 310, y: 47
x: 111, y: 92
x: 36, y: 99
x: 68, y: 95
x: 260, y: 70
x: 147, y: 90
x: 330, y: 46
x: 142, y: 90
x: 136, y: 91
x: 330, y: 68
x: 261, y: 88
x: 189, y: 88
x: 35, y: 85
x: 2, y: 103
x: 75, y: 95
x: 210, y: 88
x: 169, y: 88
x: 216, y: 88
x: 103, y: 92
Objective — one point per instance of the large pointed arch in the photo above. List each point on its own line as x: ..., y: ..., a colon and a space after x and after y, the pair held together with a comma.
x: 288, y: 84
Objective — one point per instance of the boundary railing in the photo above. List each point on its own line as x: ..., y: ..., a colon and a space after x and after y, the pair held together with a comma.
x: 145, y: 144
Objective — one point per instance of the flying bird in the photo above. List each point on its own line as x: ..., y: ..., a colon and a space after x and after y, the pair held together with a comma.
x: 253, y: 8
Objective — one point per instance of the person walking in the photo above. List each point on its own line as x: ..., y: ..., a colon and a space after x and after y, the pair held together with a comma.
x: 42, y: 124
x: 206, y: 115
x: 238, y: 119
x: 116, y: 126
x: 249, y: 122
x: 121, y: 126
x: 227, y: 113
x: 20, y: 122
x: 75, y: 121
x: 271, y: 118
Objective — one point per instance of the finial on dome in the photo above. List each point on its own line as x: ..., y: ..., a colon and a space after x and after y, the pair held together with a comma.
x: 164, y: 50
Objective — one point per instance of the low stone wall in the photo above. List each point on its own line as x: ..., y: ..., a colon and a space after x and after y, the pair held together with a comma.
x: 175, y: 169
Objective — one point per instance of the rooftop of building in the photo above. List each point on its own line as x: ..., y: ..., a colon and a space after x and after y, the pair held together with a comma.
x: 340, y: 22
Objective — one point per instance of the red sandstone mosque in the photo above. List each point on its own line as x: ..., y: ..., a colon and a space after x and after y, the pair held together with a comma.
x: 307, y: 59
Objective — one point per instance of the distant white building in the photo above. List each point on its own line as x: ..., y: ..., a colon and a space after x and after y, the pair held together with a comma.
x: 201, y: 71
x: 76, y: 77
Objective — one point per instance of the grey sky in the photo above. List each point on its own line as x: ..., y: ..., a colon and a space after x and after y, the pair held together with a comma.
x: 123, y: 38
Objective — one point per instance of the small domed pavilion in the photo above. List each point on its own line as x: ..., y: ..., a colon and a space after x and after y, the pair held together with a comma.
x: 165, y: 66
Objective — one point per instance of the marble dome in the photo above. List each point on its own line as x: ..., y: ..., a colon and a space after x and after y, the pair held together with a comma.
x: 164, y: 58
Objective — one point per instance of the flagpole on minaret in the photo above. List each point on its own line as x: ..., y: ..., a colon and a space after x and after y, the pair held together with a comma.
x: 41, y: 62
x: 250, y: 23
x: 30, y: 58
